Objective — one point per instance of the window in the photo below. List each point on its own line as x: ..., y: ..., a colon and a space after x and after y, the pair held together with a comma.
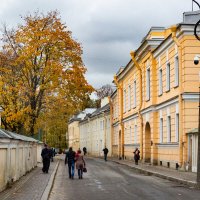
x: 108, y: 123
x: 168, y: 77
x: 160, y: 82
x: 134, y: 94
x: 177, y: 127
x: 130, y: 132
x: 135, y: 134
x: 129, y: 97
x: 168, y: 128
x: 124, y: 100
x: 176, y: 67
x: 148, y: 84
x: 161, y: 130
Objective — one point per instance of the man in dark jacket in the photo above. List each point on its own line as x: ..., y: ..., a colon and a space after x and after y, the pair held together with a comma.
x: 70, y: 160
x: 84, y: 150
x: 46, y: 155
x: 105, y: 150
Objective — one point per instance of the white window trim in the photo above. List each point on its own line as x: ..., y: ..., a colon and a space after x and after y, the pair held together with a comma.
x: 129, y: 97
x: 168, y: 76
x: 135, y: 134
x: 168, y: 128
x: 177, y: 127
x: 161, y: 130
x: 148, y: 83
x: 176, y: 71
x: 130, y: 132
x: 160, y: 81
x: 134, y: 94
x: 124, y: 100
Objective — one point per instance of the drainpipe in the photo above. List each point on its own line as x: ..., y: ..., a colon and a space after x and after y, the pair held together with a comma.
x: 119, y: 88
x: 111, y: 127
x: 132, y: 53
x: 181, y: 142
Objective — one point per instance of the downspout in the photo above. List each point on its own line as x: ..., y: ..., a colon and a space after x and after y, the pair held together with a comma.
x: 119, y: 88
x: 132, y: 53
x: 181, y: 142
x: 111, y: 125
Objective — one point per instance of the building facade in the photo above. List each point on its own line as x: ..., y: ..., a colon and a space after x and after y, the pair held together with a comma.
x: 155, y: 107
x: 73, y: 134
x: 95, y: 130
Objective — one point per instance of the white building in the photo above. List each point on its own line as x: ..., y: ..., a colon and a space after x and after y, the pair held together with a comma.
x: 73, y: 128
x: 95, y: 130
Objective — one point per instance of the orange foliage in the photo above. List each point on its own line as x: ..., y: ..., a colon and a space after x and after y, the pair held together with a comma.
x: 40, y: 63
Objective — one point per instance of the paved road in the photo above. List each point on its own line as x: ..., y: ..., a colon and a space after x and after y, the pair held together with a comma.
x: 111, y: 181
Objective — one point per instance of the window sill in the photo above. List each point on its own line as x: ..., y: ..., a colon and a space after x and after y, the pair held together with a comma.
x: 167, y: 90
x: 176, y: 86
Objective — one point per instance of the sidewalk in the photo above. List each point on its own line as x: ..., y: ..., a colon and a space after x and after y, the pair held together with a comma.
x: 33, y: 186
x: 187, y: 178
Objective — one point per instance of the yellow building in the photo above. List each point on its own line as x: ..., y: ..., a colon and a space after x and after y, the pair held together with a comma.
x: 155, y: 106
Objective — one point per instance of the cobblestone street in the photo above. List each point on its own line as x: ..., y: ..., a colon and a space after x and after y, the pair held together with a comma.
x: 29, y: 187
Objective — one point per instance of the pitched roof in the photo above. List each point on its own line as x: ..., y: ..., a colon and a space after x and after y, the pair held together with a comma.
x: 12, y: 135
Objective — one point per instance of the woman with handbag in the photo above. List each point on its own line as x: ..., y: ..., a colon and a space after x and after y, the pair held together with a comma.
x: 80, y: 164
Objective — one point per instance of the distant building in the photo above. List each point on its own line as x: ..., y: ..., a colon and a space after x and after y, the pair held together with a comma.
x: 155, y: 107
x: 73, y: 128
x: 95, y: 130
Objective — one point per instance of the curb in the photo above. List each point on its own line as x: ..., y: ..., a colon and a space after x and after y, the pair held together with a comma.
x: 49, y: 186
x: 150, y: 173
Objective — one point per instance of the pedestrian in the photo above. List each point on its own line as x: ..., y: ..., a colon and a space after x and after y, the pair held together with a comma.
x: 136, y: 155
x: 70, y: 160
x: 84, y: 150
x: 80, y: 164
x: 46, y: 155
x: 105, y: 150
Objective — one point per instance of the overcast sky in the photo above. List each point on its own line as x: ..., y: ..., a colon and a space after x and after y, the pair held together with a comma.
x: 107, y: 29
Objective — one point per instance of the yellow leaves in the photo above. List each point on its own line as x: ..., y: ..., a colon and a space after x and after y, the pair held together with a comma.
x: 42, y: 73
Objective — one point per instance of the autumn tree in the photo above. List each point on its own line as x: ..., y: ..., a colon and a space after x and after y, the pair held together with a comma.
x: 40, y: 69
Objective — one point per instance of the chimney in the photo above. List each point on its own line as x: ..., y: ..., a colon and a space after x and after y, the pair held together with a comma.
x: 191, y: 17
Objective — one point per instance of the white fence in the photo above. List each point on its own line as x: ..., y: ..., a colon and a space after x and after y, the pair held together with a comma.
x: 18, y: 155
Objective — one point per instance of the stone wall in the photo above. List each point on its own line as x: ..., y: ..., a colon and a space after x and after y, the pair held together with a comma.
x: 18, y: 155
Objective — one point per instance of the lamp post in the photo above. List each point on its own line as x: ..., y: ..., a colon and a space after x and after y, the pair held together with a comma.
x: 196, y: 62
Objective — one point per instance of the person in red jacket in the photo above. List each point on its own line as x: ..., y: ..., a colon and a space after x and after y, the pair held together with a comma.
x: 80, y: 164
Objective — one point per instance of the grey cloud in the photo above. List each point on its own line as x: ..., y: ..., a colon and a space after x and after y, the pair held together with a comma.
x: 107, y: 29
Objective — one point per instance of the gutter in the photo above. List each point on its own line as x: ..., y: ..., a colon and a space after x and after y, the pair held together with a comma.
x: 119, y: 88
x: 132, y: 53
x: 181, y: 142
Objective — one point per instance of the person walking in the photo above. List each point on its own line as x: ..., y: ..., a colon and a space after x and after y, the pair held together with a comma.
x: 136, y: 155
x: 46, y: 155
x: 80, y: 164
x: 84, y: 150
x: 70, y: 160
x: 105, y: 150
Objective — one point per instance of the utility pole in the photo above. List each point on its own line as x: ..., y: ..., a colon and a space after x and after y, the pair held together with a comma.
x: 196, y: 62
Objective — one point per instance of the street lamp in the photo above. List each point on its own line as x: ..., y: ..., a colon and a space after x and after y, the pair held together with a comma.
x: 198, y: 159
x: 196, y: 62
